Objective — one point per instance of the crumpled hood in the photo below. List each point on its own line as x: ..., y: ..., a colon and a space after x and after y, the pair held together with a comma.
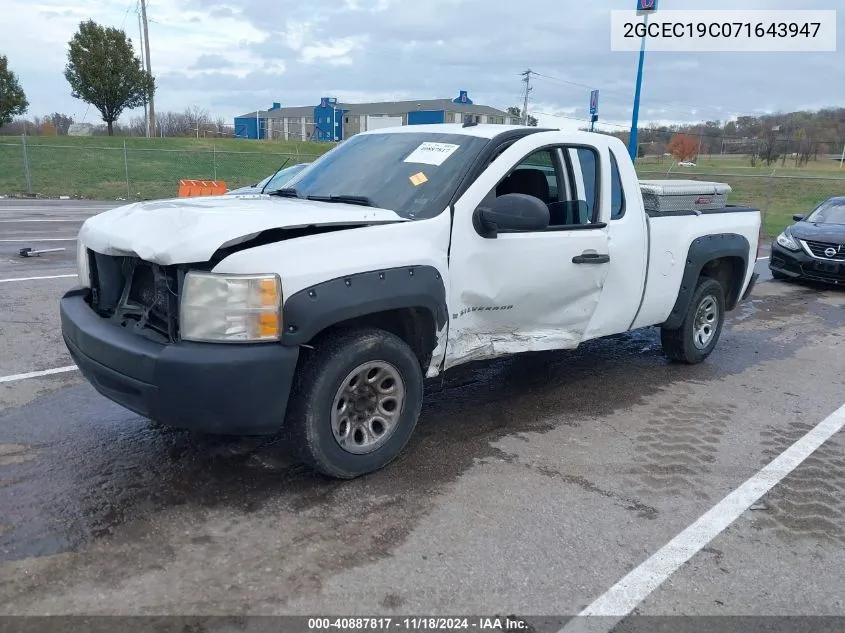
x: 184, y: 230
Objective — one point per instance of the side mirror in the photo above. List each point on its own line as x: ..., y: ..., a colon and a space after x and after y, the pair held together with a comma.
x: 511, y: 212
x: 797, y: 217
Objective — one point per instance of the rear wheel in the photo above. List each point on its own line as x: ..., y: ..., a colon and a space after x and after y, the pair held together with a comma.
x: 701, y: 328
x: 356, y: 402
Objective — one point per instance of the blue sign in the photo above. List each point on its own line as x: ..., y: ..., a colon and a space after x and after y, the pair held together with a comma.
x: 646, y: 6
x: 594, y: 102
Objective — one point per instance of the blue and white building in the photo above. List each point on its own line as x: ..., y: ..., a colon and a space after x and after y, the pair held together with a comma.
x: 330, y: 120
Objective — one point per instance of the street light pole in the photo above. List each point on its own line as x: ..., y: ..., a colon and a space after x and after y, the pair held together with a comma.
x: 632, y: 142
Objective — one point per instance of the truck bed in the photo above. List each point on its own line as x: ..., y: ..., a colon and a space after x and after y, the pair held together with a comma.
x: 670, y: 235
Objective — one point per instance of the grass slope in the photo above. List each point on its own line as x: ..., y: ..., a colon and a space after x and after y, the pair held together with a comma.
x: 780, y: 190
x: 96, y: 167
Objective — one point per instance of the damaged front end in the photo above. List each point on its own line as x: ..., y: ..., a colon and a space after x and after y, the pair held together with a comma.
x: 136, y: 294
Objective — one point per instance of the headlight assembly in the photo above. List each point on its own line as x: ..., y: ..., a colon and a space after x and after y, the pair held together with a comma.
x: 788, y: 242
x: 230, y: 308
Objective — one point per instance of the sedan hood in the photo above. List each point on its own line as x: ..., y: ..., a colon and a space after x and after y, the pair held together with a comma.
x: 186, y: 230
x: 832, y: 233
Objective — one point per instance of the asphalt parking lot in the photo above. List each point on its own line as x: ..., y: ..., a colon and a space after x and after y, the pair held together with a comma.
x: 532, y: 486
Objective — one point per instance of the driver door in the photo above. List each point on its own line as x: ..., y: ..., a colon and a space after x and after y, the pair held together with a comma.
x: 529, y: 290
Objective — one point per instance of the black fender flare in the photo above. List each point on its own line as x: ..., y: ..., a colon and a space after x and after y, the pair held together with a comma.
x: 311, y: 310
x: 703, y: 250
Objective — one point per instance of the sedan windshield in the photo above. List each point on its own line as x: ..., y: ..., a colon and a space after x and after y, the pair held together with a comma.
x: 413, y: 174
x: 281, y: 177
x: 829, y: 212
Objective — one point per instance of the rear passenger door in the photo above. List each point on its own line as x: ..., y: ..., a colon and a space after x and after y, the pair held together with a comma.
x: 628, y: 246
x: 528, y: 290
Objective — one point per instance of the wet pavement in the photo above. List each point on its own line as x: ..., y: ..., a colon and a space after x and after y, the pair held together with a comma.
x: 532, y: 484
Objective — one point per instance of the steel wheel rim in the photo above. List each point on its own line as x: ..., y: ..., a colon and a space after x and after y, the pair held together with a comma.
x: 367, y: 407
x: 706, y: 319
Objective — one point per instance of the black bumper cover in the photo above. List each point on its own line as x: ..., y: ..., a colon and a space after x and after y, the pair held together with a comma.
x: 799, y: 265
x: 224, y: 389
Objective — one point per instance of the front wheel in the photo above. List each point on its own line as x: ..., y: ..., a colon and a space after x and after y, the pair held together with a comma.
x: 356, y: 402
x: 701, y: 328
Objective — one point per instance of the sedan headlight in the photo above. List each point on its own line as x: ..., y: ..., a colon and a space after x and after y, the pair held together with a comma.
x: 235, y: 308
x: 788, y: 242
x: 82, y: 271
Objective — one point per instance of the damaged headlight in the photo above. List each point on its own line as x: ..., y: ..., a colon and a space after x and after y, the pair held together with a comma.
x: 237, y: 308
x: 82, y: 270
x: 788, y: 242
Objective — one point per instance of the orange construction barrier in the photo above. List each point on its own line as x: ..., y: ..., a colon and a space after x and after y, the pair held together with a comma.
x: 193, y: 188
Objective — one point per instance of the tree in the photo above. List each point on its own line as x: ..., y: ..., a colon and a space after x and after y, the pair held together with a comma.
x: 47, y: 128
x: 514, y: 111
x: 104, y: 71
x: 61, y: 122
x: 13, y: 101
x: 682, y: 147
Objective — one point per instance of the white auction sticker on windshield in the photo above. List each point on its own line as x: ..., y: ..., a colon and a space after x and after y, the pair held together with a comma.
x: 432, y: 153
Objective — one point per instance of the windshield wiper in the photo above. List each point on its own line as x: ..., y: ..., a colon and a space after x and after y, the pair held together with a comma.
x: 364, y: 201
x: 285, y: 192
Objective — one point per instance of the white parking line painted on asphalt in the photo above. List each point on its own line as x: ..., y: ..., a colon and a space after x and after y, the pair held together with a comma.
x: 28, y: 220
x: 38, y: 374
x: 760, y: 259
x: 42, y: 239
x: 6, y: 281
x: 618, y: 601
x: 64, y: 208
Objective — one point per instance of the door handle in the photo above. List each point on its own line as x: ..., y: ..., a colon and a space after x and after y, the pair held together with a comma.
x: 591, y: 258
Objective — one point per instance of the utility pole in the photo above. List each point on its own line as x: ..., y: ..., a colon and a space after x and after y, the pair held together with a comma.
x: 644, y: 7
x: 141, y: 36
x: 528, y: 88
x: 149, y: 70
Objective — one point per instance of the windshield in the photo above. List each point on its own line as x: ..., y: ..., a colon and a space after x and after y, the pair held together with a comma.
x: 829, y: 212
x: 413, y: 174
x: 280, y: 178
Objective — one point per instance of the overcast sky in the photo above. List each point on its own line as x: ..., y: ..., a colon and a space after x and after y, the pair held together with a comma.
x: 233, y: 56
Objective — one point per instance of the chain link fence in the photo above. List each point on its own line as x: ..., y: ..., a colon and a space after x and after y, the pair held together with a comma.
x: 778, y: 195
x: 126, y: 172
x: 53, y: 170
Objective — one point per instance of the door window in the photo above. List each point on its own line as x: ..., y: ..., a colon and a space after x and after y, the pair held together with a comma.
x: 564, y: 178
x: 617, y: 194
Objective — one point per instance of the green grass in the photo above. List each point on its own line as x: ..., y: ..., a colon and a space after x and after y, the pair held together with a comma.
x: 778, y: 191
x: 98, y: 168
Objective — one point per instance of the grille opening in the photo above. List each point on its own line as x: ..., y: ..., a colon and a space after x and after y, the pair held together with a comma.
x: 138, y: 294
x: 818, y: 249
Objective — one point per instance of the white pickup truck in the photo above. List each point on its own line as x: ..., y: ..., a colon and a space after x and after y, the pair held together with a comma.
x: 318, y: 312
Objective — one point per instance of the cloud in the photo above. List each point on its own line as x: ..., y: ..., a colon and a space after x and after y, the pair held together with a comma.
x: 212, y: 62
x: 232, y: 56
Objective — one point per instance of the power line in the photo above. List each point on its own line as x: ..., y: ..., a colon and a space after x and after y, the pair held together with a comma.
x: 612, y: 93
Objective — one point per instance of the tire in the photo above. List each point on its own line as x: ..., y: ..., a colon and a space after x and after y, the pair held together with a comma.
x: 778, y: 275
x: 693, y: 342
x: 323, y: 385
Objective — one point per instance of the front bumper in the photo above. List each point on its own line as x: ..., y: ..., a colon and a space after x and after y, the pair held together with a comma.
x: 224, y: 389
x: 800, y: 265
